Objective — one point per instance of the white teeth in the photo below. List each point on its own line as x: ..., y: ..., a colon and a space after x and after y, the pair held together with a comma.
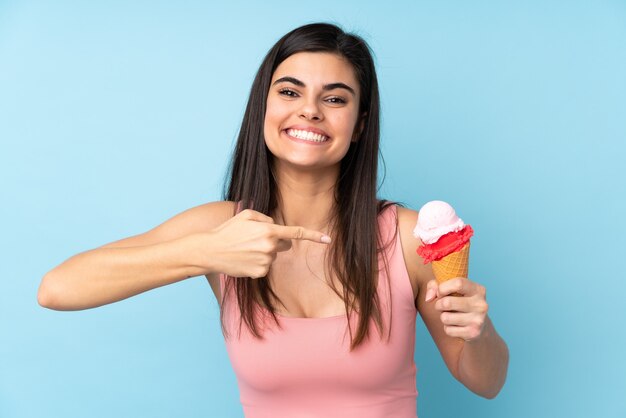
x: 306, y: 135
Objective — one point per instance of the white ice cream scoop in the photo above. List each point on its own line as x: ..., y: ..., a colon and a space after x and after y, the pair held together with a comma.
x: 435, y: 219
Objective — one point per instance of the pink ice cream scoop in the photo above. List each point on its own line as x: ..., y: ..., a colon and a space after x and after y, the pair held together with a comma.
x: 436, y: 219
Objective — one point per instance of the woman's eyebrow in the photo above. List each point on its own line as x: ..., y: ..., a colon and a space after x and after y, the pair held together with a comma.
x: 330, y: 86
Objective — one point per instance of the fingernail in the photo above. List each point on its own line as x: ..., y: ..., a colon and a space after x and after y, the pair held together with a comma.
x: 326, y: 239
x: 430, y: 295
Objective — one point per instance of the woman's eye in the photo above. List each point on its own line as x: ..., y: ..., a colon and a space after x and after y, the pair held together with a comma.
x: 287, y: 92
x: 336, y: 100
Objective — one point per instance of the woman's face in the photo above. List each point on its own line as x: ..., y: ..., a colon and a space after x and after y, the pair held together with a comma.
x: 312, y: 110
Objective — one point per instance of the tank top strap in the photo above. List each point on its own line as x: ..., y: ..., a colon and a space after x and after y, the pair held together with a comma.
x: 393, y: 252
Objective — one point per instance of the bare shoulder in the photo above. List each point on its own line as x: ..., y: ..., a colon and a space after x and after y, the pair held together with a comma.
x: 407, y: 217
x: 418, y: 272
x: 201, y: 218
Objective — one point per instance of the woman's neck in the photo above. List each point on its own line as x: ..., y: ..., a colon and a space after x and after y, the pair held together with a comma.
x: 305, y: 198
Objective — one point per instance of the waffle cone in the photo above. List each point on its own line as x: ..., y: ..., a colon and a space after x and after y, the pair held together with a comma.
x: 453, y: 265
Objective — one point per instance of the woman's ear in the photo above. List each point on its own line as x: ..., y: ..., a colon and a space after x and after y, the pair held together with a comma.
x: 360, y: 126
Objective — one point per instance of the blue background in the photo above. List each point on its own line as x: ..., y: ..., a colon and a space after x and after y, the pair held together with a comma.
x: 115, y: 116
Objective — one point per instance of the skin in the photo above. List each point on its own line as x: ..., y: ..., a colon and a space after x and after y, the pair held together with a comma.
x: 208, y: 240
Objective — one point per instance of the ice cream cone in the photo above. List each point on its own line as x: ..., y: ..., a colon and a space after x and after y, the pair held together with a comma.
x: 453, y: 265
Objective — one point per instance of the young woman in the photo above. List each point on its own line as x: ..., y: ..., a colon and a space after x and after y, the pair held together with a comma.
x: 318, y: 281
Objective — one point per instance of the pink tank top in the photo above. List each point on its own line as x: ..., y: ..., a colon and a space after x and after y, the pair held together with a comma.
x: 306, y: 368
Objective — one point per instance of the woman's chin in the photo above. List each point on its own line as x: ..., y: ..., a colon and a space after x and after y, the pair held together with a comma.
x: 304, y: 164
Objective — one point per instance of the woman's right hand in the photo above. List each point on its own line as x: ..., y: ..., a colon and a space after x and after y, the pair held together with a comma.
x: 247, y: 244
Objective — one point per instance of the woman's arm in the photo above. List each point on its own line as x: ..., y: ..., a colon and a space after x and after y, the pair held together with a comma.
x: 481, y: 357
x: 133, y: 265
x: 465, y: 336
x: 206, y: 239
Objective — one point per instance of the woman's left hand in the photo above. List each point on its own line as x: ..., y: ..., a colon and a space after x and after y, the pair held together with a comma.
x: 462, y: 304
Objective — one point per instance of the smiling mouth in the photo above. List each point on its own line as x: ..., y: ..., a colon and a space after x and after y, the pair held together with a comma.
x: 306, y: 135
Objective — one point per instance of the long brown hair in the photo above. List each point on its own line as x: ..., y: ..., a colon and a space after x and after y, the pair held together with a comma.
x: 353, y: 254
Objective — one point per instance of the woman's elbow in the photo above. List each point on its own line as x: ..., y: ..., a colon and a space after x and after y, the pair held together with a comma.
x: 491, y: 393
x: 493, y: 390
x: 46, y: 295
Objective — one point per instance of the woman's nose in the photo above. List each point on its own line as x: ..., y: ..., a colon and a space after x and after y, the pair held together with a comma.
x: 311, y: 111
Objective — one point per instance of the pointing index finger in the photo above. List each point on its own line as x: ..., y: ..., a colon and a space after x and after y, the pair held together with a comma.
x: 301, y: 233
